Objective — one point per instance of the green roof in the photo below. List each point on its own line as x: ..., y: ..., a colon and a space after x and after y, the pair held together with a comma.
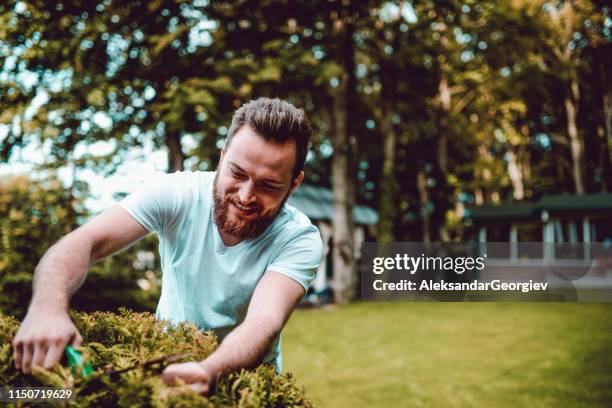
x: 509, y: 211
x: 602, y: 201
x: 317, y: 203
x: 552, y: 203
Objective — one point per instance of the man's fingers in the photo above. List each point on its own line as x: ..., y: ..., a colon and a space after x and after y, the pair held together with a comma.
x: 171, y: 374
x: 77, y: 340
x: 200, y: 388
x: 193, y: 374
x: 42, y: 337
x: 26, y: 360
x: 190, y: 372
x: 17, y: 354
x: 54, y: 354
x: 38, y: 357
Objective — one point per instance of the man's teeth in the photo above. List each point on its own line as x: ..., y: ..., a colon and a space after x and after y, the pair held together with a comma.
x: 243, y: 208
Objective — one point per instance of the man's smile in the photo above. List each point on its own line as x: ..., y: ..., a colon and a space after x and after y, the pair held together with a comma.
x: 243, y: 210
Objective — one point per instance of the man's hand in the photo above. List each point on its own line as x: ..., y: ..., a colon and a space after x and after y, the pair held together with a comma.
x: 195, y: 375
x: 42, y: 338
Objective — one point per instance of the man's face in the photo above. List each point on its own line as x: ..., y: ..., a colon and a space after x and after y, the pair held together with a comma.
x: 252, y: 183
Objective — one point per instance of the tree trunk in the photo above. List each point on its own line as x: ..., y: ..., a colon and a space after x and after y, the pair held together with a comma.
x: 71, y: 218
x: 603, y: 159
x: 442, y: 152
x: 442, y: 145
x: 478, y: 196
x: 576, y: 147
x: 527, y: 174
x: 486, y: 175
x: 607, y: 104
x: 343, y: 245
x: 560, y: 176
x: 387, y: 191
x: 176, y: 157
x: 424, y: 203
x: 516, y: 174
x: 388, y: 102
x: 525, y: 165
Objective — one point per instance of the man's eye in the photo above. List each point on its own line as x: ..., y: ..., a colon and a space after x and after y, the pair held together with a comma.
x: 237, y: 175
x: 271, y: 189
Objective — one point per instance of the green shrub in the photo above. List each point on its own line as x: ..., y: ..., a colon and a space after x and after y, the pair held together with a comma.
x: 128, y: 338
x: 34, y: 214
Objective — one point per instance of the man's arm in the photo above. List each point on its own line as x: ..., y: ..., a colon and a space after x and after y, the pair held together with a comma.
x: 275, y: 297
x: 47, y: 328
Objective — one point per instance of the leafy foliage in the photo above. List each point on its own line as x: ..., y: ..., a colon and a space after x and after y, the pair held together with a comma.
x: 32, y: 217
x: 36, y: 214
x: 128, y: 338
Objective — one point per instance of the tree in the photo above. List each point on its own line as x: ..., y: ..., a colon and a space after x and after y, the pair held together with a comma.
x: 566, y: 21
x: 111, y: 71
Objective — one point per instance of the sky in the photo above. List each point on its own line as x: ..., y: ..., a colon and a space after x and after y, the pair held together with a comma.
x: 142, y: 164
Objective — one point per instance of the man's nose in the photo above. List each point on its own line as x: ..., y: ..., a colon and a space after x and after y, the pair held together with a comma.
x: 247, y: 193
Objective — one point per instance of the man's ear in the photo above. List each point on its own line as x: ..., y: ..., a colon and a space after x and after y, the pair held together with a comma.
x: 222, y: 154
x: 296, y: 182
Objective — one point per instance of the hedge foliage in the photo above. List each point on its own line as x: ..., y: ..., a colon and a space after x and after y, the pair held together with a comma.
x: 129, y: 338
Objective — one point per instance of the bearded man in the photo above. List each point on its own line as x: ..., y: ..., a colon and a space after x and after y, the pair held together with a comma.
x: 235, y: 258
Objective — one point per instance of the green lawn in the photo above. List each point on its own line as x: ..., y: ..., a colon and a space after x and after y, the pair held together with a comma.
x: 453, y: 354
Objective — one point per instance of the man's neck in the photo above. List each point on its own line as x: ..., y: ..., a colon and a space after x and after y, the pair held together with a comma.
x: 228, y: 240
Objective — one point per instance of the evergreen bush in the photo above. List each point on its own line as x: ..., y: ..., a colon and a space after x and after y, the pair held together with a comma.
x: 127, y: 338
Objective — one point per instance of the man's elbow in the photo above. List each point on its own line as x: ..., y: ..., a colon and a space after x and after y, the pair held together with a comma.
x: 269, y: 325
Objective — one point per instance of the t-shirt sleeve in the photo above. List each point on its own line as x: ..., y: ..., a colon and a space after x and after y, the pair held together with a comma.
x: 300, y: 257
x: 154, y: 203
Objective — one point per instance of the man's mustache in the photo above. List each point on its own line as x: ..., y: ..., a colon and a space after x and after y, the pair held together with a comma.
x: 234, y: 200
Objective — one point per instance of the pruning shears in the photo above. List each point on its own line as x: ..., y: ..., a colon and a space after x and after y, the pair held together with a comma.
x: 75, y: 360
x: 157, y: 365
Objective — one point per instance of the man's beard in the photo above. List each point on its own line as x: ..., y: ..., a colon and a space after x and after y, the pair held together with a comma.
x: 235, y: 226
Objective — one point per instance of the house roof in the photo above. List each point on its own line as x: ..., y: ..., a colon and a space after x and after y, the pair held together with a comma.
x: 317, y: 203
x: 551, y: 203
x: 602, y: 201
x: 508, y: 211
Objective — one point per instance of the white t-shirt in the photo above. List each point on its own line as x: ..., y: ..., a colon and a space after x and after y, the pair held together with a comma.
x: 203, y: 281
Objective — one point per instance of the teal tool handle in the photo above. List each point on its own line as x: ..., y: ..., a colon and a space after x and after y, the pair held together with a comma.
x: 75, y: 360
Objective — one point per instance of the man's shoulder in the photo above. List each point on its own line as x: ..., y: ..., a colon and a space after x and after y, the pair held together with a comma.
x: 183, y: 189
x: 187, y: 176
x: 296, y: 216
x: 298, y: 246
x: 292, y: 222
x: 186, y: 181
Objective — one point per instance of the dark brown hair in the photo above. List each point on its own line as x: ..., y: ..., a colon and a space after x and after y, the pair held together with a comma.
x: 276, y: 121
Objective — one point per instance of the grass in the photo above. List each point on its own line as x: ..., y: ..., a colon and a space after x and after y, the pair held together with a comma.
x: 403, y: 354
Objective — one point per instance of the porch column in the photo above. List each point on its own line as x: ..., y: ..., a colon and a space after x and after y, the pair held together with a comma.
x: 548, y: 236
x: 586, y: 238
x: 513, y: 243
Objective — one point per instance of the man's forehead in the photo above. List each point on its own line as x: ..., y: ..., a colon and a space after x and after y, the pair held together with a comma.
x: 253, y: 154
